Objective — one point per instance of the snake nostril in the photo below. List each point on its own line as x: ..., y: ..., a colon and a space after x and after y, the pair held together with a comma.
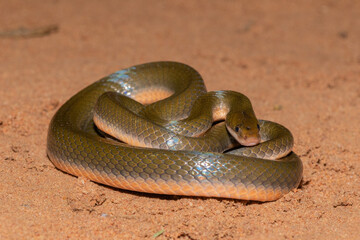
x: 248, y: 128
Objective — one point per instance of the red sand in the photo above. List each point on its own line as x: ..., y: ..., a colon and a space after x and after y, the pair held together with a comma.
x: 299, y: 63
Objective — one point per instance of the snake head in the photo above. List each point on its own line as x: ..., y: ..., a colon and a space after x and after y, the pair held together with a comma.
x: 244, y: 127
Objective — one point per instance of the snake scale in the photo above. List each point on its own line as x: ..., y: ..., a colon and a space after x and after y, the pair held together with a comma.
x: 173, y: 152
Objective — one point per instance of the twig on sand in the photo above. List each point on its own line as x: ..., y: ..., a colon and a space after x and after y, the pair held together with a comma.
x: 23, y: 32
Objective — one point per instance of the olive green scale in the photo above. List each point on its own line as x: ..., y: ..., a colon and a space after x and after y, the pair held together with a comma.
x: 75, y: 145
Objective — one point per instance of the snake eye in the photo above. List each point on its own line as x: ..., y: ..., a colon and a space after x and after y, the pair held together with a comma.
x: 237, y: 129
x: 258, y: 126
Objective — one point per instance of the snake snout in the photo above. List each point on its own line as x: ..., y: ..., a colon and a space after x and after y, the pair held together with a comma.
x: 249, y: 141
x: 250, y: 136
x: 244, y: 136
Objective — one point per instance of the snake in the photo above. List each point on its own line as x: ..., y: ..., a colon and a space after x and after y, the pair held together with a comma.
x: 154, y: 128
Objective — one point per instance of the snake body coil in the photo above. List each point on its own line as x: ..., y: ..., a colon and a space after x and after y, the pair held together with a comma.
x: 178, y: 165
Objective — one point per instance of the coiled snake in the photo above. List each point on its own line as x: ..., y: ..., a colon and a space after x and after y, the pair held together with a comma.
x: 174, y: 152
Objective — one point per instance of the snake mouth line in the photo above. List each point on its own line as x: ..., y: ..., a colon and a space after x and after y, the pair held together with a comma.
x: 248, y: 141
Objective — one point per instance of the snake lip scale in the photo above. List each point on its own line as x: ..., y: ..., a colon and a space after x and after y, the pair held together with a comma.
x: 175, y: 153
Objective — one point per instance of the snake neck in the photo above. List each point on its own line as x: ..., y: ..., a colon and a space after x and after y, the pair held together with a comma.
x: 232, y: 107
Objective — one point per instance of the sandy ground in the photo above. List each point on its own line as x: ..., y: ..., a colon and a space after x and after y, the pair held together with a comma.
x: 299, y: 63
